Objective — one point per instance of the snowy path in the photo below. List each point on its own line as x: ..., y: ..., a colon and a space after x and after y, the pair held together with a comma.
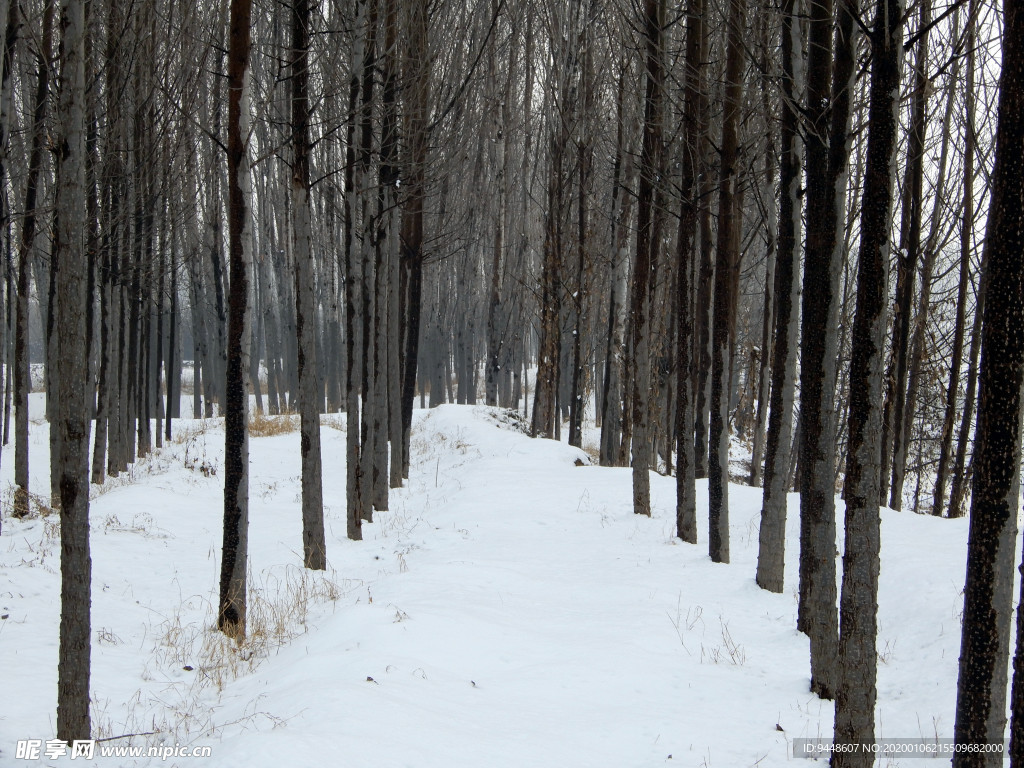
x: 508, y: 611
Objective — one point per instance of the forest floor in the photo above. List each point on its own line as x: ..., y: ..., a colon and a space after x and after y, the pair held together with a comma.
x: 508, y: 610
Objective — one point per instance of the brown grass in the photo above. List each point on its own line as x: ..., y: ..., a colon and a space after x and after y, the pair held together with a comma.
x: 262, y: 425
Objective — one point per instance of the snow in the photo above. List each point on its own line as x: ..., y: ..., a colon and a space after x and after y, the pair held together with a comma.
x: 509, y: 610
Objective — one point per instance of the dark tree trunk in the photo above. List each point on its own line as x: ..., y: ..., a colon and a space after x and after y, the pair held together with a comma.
x: 10, y: 25
x: 622, y: 199
x: 22, y: 379
x: 314, y: 546
x: 385, y: 251
x: 547, y: 417
x: 390, y: 443
x: 686, y: 491
x: 173, y: 370
x: 984, y: 648
x: 910, y: 244
x: 364, y: 191
x: 771, y: 556
x: 498, y: 168
x: 354, y: 351
x: 231, y: 612
x: 726, y: 274
x: 648, y: 236
x: 762, y: 360
x: 72, y: 427
x: 959, y: 485
x: 959, y: 324
x: 828, y: 110
x: 585, y: 157
x: 856, y: 693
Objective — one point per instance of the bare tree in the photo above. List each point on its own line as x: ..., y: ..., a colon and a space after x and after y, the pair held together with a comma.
x: 22, y: 380
x: 856, y: 693
x: 314, y: 547
x: 686, y: 492
x: 771, y: 547
x: 648, y: 242
x: 72, y: 415
x: 830, y: 74
x: 726, y: 275
x: 231, y: 611
x: 988, y: 592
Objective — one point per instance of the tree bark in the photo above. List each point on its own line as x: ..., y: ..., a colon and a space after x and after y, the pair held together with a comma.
x: 417, y: 68
x: 622, y: 199
x: 354, y: 350
x: 910, y: 244
x: 686, y: 491
x: 232, y: 607
x: 648, y: 236
x: 988, y: 599
x: 828, y: 109
x: 726, y: 274
x: 771, y: 557
x: 72, y: 457
x: 314, y: 545
x: 22, y: 379
x: 856, y: 693
x: 959, y: 324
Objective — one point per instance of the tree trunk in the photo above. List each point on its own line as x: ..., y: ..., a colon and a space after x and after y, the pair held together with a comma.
x: 856, y: 693
x: 686, y: 491
x: 764, y: 360
x: 771, y: 557
x: 231, y: 612
x: 910, y: 243
x: 546, y: 412
x: 622, y: 199
x: 72, y: 427
x: 828, y: 110
x: 22, y: 379
x: 391, y: 407
x: 314, y: 545
x: 417, y: 93
x: 499, y: 167
x: 354, y: 351
x: 648, y: 237
x: 726, y: 274
x: 385, y: 247
x: 367, y: 255
x: 988, y: 598
x: 585, y: 158
x: 959, y: 325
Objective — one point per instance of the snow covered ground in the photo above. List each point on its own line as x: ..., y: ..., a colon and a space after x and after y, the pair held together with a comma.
x: 509, y: 610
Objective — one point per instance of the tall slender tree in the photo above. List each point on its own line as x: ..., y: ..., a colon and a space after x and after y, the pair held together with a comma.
x: 22, y: 378
x: 830, y: 74
x: 726, y: 274
x: 648, y: 242
x: 988, y: 598
x: 417, y: 98
x: 686, y: 493
x: 857, y: 692
x: 232, y: 606
x: 72, y: 422
x: 314, y: 547
x: 771, y: 555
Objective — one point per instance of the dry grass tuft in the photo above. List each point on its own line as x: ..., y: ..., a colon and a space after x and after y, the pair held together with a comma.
x: 278, y: 609
x: 262, y: 425
x: 38, y: 506
x: 192, y: 661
